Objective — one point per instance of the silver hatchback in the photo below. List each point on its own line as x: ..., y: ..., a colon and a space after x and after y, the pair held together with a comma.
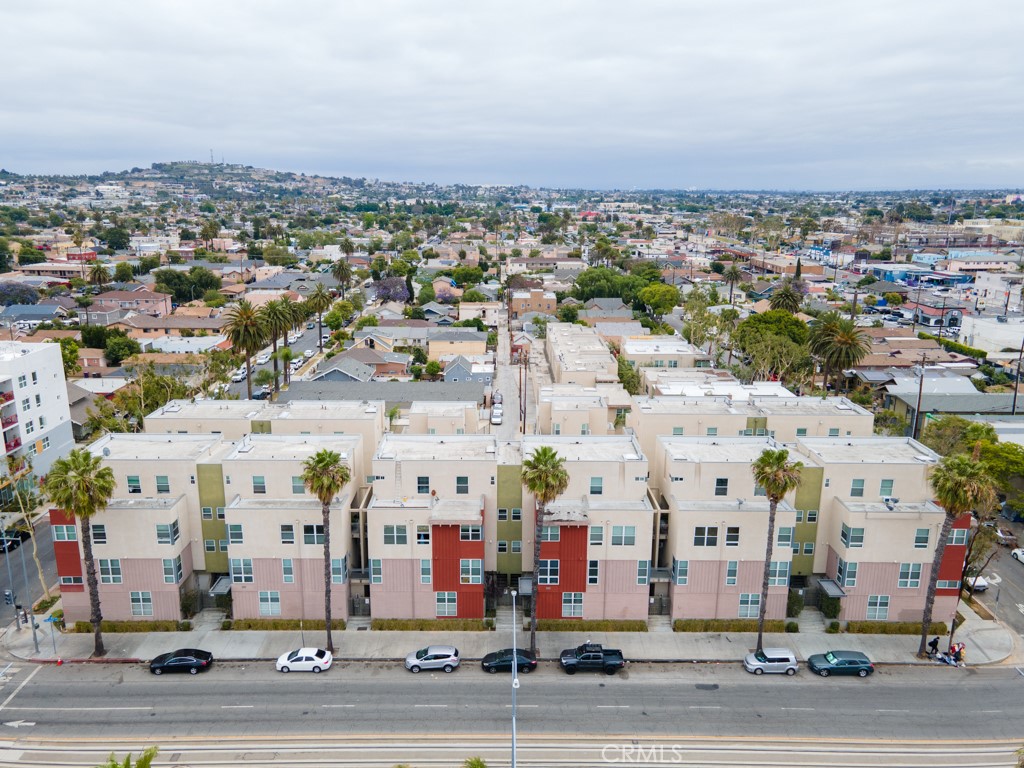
x: 444, y: 657
x: 771, y: 660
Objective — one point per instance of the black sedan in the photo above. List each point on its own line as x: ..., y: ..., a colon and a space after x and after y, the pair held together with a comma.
x: 840, y: 663
x: 501, y: 661
x: 12, y: 538
x: 191, y: 660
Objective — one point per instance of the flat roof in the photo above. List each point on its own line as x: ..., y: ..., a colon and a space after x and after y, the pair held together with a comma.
x: 429, y: 447
x: 300, y: 504
x: 145, y: 502
x: 904, y: 507
x: 260, y: 409
x: 863, y: 450
x: 756, y: 504
x: 122, y: 446
x: 434, y: 408
x: 743, y: 450
x: 587, y: 447
x: 262, y: 447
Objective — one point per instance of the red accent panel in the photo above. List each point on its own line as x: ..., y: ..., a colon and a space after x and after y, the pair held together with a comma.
x: 448, y: 550
x: 951, y: 567
x: 66, y: 553
x: 571, y: 553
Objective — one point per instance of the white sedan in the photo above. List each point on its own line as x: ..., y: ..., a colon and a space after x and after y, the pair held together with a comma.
x: 263, y: 359
x: 314, y: 660
x: 1018, y: 554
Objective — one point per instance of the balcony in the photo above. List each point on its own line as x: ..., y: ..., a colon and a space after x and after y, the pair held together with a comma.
x: 13, y: 445
x: 9, y: 421
x: 6, y: 397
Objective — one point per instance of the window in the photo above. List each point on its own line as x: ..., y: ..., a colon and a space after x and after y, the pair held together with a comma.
x: 681, y: 571
x: 471, y: 571
x: 376, y: 571
x: 812, y: 515
x: 67, y: 580
x: 750, y: 605
x: 220, y: 513
x: 22, y: 381
x: 110, y: 571
x: 142, y: 603
x: 547, y: 573
x: 732, y: 536
x: 910, y: 576
x: 461, y: 485
x: 26, y: 405
x: 833, y: 432
x: 426, y: 573
x: 68, y: 533
x: 163, y: 485
x: 395, y: 534
x: 722, y: 486
x: 339, y: 570
x: 778, y: 574
x: 584, y: 429
x: 471, y: 533
x: 46, y: 440
x: 732, y: 568
x: 957, y: 536
x: 172, y: 570
x: 572, y: 604
x: 447, y: 603
x: 921, y: 538
x: 235, y: 534
x: 597, y: 535
x: 623, y: 535
x: 270, y: 603
x: 759, y: 491
x: 134, y: 485
x: 785, y: 538
x: 422, y: 484
x: 677, y: 431
x: 210, y: 545
x: 846, y: 573
x: 168, y: 533
x: 517, y: 513
x: 207, y: 513
x: 422, y: 534
x: 851, y: 537
x: 808, y: 547
x: 502, y: 547
x: 503, y: 513
x: 801, y: 431
x: 35, y: 377
x: 298, y: 487
x: 596, y: 486
x: 556, y: 429
x: 288, y: 534
x: 885, y: 488
x: 550, y: 533
x: 223, y: 544
x: 517, y: 546
x: 29, y: 427
x: 643, y: 571
x: 799, y: 515
x: 712, y: 431
x: 705, y: 536
x: 288, y: 571
x: 940, y: 584
x: 259, y: 484
x: 878, y: 608
x: 312, y: 534
x: 241, y: 570
x: 593, y: 572
x: 99, y: 534
x: 857, y: 488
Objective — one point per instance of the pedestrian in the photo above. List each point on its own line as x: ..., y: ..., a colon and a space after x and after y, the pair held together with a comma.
x: 933, y: 646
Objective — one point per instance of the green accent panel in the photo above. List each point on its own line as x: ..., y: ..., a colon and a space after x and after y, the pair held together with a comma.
x: 510, y: 494
x: 802, y: 565
x: 260, y: 427
x: 757, y: 422
x: 808, y: 496
x: 210, y: 478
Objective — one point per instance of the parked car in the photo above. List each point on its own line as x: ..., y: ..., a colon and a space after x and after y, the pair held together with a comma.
x: 496, y: 416
x: 314, y: 660
x: 496, y: 398
x: 310, y: 326
x: 840, y: 663
x: 263, y: 359
x: 238, y: 375
x: 191, y: 660
x: 501, y: 661
x: 261, y: 394
x: 1018, y: 555
x: 771, y: 660
x: 308, y: 354
x: 444, y: 657
x: 12, y: 538
x: 977, y: 583
x: 592, y: 657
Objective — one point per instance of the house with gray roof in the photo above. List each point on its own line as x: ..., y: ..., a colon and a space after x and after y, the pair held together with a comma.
x: 344, y: 368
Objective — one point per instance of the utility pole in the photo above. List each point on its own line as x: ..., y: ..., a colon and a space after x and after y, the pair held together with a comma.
x: 920, y: 392
x: 1016, y: 378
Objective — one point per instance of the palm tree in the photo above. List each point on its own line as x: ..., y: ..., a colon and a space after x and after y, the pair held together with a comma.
x: 960, y: 484
x: 787, y: 297
x: 732, y: 275
x: 276, y: 320
x: 341, y: 271
x: 81, y: 486
x: 822, y: 330
x: 98, y: 275
x: 774, y: 472
x: 324, y: 476
x: 319, y: 301
x: 145, y: 760
x: 544, y: 475
x: 247, y: 332
x: 841, y: 344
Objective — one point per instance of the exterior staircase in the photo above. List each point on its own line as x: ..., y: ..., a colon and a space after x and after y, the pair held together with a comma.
x: 659, y: 623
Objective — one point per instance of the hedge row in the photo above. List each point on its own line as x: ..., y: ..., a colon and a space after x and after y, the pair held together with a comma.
x: 85, y: 627
x: 431, y: 625
x: 726, y: 625
x: 593, y: 625
x: 281, y: 624
x: 894, y: 628
x: 955, y: 346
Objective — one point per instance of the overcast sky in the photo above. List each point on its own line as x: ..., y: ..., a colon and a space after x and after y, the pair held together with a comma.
x: 793, y: 94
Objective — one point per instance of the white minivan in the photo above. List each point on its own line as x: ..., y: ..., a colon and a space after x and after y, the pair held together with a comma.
x: 771, y: 661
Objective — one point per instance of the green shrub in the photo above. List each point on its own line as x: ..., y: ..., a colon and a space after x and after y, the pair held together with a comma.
x: 726, y: 625
x: 830, y: 607
x: 226, y: 624
x: 428, y: 625
x: 130, y: 626
x: 794, y: 604
x: 894, y: 628
x: 832, y: 628
x: 954, y: 346
x: 792, y: 627
x: 45, y: 604
x: 284, y: 624
x: 592, y: 625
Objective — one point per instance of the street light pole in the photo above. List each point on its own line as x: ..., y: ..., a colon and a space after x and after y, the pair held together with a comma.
x: 28, y: 595
x: 515, y: 677
x: 920, y: 393
x: 10, y: 574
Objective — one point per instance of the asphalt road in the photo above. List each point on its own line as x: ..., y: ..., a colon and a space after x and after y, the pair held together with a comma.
x: 234, y: 700
x: 1005, y: 597
x: 308, y: 340
x: 13, y: 572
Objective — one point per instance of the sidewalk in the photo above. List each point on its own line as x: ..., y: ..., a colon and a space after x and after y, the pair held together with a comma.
x: 988, y: 642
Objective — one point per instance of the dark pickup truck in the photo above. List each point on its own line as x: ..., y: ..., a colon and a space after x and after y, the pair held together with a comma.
x: 592, y: 657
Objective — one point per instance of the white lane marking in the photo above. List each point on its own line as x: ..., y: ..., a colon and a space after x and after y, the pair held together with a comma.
x: 797, y: 709
x: 238, y: 706
x: 705, y: 707
x: 522, y: 706
x: 18, y: 689
x: 613, y: 706
x: 337, y: 706
x: 78, y: 709
x: 432, y: 706
x: 18, y: 723
x: 892, y: 710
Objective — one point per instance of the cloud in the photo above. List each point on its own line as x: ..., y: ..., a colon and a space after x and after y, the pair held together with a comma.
x: 719, y: 93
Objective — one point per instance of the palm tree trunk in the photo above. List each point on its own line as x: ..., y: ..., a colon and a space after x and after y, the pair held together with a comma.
x: 277, y: 382
x: 327, y: 575
x: 933, y: 580
x: 95, y: 615
x: 248, y: 372
x: 731, y: 286
x: 320, y: 329
x: 763, y: 607
x: 537, y: 525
